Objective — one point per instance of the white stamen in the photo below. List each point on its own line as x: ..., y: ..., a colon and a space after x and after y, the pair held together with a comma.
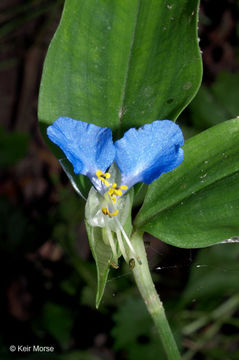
x: 128, y: 241
x: 121, y: 244
x: 112, y: 244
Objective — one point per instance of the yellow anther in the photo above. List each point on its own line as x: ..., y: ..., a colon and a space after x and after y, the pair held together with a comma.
x: 99, y: 173
x: 115, y: 190
x: 111, y: 194
x: 115, y: 266
x: 105, y: 211
x: 111, y: 191
x: 113, y: 213
x: 103, y: 176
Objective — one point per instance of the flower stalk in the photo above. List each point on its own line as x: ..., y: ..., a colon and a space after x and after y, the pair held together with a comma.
x: 151, y: 299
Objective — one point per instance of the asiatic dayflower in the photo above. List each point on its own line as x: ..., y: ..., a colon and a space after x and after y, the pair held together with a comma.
x: 141, y: 155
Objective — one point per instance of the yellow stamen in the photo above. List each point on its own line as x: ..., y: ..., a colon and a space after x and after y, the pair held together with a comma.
x: 105, y: 211
x: 103, y: 176
x: 111, y: 191
x: 99, y: 173
x: 118, y: 192
x: 113, y: 213
x: 111, y: 194
x: 115, y: 190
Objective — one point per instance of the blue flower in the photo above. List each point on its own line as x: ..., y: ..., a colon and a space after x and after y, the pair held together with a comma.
x: 87, y: 146
x: 141, y: 155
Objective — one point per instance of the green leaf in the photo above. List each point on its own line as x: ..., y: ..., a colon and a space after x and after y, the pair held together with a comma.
x: 121, y: 64
x: 197, y: 204
x: 102, y: 254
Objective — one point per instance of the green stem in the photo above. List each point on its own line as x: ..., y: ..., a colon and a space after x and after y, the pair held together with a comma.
x: 151, y: 299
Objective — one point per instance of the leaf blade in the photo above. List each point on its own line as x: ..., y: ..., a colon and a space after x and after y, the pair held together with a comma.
x: 115, y: 63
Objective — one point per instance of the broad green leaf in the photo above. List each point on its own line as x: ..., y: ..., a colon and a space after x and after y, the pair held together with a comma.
x: 121, y: 63
x: 197, y: 204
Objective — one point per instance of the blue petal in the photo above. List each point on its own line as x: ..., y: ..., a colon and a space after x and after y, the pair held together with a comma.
x: 143, y: 155
x: 88, y: 147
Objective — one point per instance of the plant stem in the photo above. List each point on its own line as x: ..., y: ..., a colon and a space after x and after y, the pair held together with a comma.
x: 151, y: 299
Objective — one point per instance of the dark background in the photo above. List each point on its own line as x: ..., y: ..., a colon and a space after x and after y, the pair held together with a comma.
x: 47, y: 274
